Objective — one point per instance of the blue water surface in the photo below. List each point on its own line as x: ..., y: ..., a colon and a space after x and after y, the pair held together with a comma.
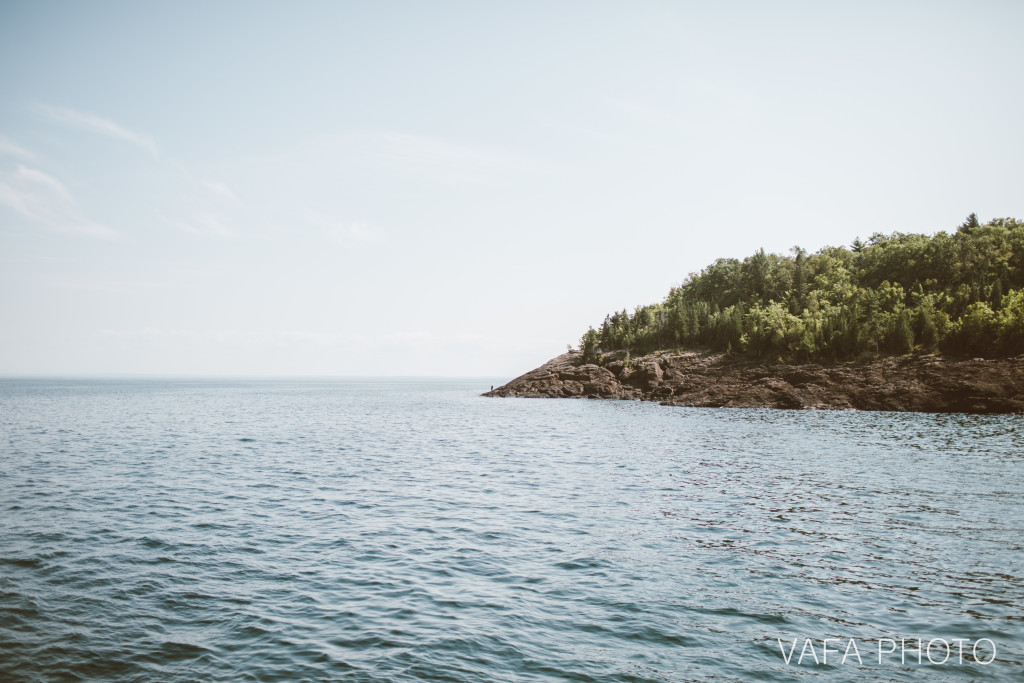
x: 393, y: 530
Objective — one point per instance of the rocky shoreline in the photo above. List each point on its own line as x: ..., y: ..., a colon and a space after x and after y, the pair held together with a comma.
x: 921, y: 383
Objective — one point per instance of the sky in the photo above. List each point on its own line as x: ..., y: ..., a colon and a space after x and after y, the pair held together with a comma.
x: 459, y: 188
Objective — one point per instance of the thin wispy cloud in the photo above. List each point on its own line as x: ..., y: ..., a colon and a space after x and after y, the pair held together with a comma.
x: 209, y: 224
x: 89, y: 228
x: 182, y: 225
x: 34, y: 175
x: 95, y: 124
x: 17, y: 201
x: 221, y: 189
x: 44, y: 200
x: 216, y: 224
x: 9, y: 147
x: 356, y: 231
x: 343, y: 232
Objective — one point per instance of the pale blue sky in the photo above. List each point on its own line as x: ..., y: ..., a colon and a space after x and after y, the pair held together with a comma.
x: 416, y: 188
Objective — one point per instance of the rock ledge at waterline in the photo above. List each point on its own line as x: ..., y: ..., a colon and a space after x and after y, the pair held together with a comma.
x: 700, y: 379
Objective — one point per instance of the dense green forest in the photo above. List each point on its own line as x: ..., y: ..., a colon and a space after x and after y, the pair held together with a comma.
x: 900, y: 293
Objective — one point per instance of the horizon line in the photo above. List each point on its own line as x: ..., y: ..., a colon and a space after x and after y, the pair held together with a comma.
x: 86, y: 376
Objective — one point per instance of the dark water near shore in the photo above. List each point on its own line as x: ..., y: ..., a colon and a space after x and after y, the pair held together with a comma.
x: 403, y: 531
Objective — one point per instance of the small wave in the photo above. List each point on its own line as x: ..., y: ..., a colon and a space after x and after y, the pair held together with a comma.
x: 582, y: 563
x: 24, y: 562
x: 154, y: 543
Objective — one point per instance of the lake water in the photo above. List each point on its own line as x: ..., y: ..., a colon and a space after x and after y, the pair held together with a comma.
x: 413, y: 530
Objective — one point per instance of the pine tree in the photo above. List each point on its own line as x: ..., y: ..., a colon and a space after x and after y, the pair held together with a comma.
x: 588, y: 345
x: 970, y: 223
x: 997, y: 295
x: 800, y: 279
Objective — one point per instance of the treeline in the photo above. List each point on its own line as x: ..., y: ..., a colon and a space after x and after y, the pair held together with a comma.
x: 961, y: 293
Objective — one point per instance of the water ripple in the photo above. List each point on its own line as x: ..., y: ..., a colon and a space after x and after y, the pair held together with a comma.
x: 405, y: 531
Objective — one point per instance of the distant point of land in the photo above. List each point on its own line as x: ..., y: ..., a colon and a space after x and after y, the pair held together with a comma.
x: 897, y: 322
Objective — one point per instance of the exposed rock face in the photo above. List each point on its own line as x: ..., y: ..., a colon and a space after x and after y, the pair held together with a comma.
x: 902, y: 383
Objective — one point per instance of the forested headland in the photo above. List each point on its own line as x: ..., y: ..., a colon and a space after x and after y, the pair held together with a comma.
x: 898, y: 293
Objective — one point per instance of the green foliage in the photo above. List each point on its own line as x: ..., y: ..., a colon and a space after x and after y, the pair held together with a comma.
x: 1010, y: 324
x: 588, y: 345
x: 929, y: 331
x: 962, y: 293
x: 903, y: 336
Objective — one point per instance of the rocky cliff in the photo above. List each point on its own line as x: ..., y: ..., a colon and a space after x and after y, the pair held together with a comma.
x: 902, y: 383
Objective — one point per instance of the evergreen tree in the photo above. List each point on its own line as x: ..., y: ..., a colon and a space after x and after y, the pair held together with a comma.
x: 970, y: 223
x: 589, y: 345
x: 996, y: 297
x: 952, y: 290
